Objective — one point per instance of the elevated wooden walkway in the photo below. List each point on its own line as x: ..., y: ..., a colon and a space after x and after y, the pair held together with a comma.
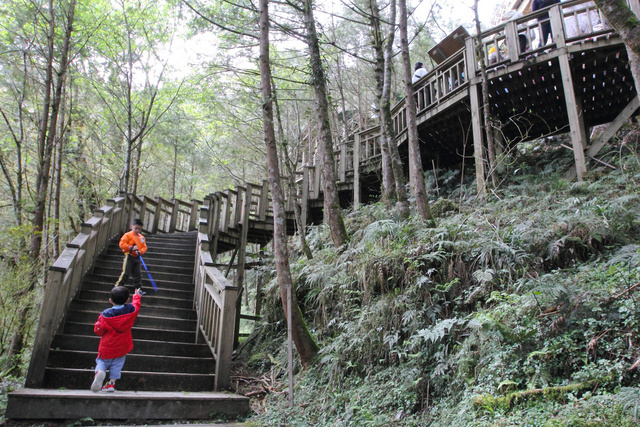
x: 581, y: 79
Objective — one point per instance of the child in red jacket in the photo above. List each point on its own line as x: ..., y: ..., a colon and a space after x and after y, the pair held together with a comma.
x: 133, y: 245
x: 114, y: 327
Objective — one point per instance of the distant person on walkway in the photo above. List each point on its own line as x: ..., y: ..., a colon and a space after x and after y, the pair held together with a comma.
x: 545, y: 25
x: 133, y: 245
x: 114, y: 327
x: 419, y: 72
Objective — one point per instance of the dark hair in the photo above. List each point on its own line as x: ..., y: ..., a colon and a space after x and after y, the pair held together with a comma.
x: 418, y: 65
x: 119, y: 295
x: 137, y: 221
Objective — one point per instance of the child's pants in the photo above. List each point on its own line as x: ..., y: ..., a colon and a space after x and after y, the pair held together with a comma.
x: 114, y: 366
x: 130, y: 268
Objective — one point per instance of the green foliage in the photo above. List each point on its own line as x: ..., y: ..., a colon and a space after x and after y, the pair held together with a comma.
x: 529, y: 291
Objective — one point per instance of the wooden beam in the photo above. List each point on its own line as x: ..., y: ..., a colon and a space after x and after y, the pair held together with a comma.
x: 602, y: 139
x: 573, y: 103
x: 476, y: 123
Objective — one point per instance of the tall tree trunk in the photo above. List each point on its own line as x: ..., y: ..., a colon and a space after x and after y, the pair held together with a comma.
x: 486, y: 109
x: 307, y: 347
x: 46, y: 141
x: 402, y: 201
x: 331, y: 203
x: 291, y: 167
x: 416, y: 174
x: 627, y: 24
x: 388, y: 182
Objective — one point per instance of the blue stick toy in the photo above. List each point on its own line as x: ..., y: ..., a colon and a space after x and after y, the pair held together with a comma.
x: 155, y: 287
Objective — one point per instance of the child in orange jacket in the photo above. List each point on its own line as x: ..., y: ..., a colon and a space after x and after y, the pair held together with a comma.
x: 114, y: 327
x: 133, y: 245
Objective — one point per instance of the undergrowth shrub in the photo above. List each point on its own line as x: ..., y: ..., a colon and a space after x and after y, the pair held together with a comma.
x: 532, y: 289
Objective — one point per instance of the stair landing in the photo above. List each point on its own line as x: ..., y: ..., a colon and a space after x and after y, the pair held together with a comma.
x: 43, y: 404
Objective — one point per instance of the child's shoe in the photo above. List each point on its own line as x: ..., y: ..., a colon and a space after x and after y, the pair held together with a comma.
x: 97, y: 381
x: 109, y: 387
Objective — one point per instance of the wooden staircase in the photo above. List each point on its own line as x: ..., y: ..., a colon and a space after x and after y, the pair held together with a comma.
x: 166, y: 376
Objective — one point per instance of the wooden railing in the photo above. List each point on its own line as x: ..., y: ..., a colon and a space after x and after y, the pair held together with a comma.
x: 452, y: 76
x: 214, y: 301
x: 66, y: 274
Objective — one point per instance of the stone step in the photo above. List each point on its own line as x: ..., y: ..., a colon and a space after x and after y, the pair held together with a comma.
x: 39, y: 404
x: 155, y: 334
x: 134, y: 381
x: 157, y: 348
x: 143, y: 320
x: 151, y: 299
x: 160, y: 311
x: 78, y: 359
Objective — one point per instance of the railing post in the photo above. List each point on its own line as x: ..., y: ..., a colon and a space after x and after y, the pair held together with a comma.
x: 304, y: 207
x: 225, y: 340
x: 513, y: 47
x: 193, y: 217
x: 343, y: 159
x: 264, y: 201
x: 156, y: 215
x: 356, y: 170
x: 557, y: 26
x: 174, y: 215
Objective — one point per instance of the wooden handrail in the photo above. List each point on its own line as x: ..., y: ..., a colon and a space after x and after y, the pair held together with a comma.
x: 78, y: 258
x: 215, y: 303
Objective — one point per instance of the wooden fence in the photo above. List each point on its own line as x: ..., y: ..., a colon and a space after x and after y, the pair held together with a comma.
x: 65, y: 276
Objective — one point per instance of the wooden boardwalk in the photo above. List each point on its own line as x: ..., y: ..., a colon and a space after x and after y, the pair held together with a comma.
x: 579, y: 80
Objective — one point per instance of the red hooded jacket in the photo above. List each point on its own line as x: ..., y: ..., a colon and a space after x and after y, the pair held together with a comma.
x: 115, y: 331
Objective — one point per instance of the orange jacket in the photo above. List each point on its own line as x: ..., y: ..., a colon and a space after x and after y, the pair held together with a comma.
x: 129, y: 239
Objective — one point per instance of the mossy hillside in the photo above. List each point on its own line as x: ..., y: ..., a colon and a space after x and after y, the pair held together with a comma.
x: 452, y: 325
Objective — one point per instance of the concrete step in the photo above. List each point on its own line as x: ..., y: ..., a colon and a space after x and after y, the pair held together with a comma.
x: 139, y: 381
x: 160, y: 311
x: 39, y: 404
x: 78, y: 359
x: 157, y: 348
x: 143, y: 321
x: 152, y: 334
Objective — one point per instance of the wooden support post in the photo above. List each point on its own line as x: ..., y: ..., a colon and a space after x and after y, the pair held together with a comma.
x: 264, y: 201
x: 225, y: 341
x: 573, y: 102
x: 304, y: 203
x: 242, y: 255
x: 343, y: 159
x: 142, y: 213
x: 156, y: 215
x: 174, y: 215
x: 215, y: 224
x: 476, y: 121
x: 194, y: 215
x: 226, y: 213
x: 513, y: 47
x: 611, y: 129
x: 356, y: 171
